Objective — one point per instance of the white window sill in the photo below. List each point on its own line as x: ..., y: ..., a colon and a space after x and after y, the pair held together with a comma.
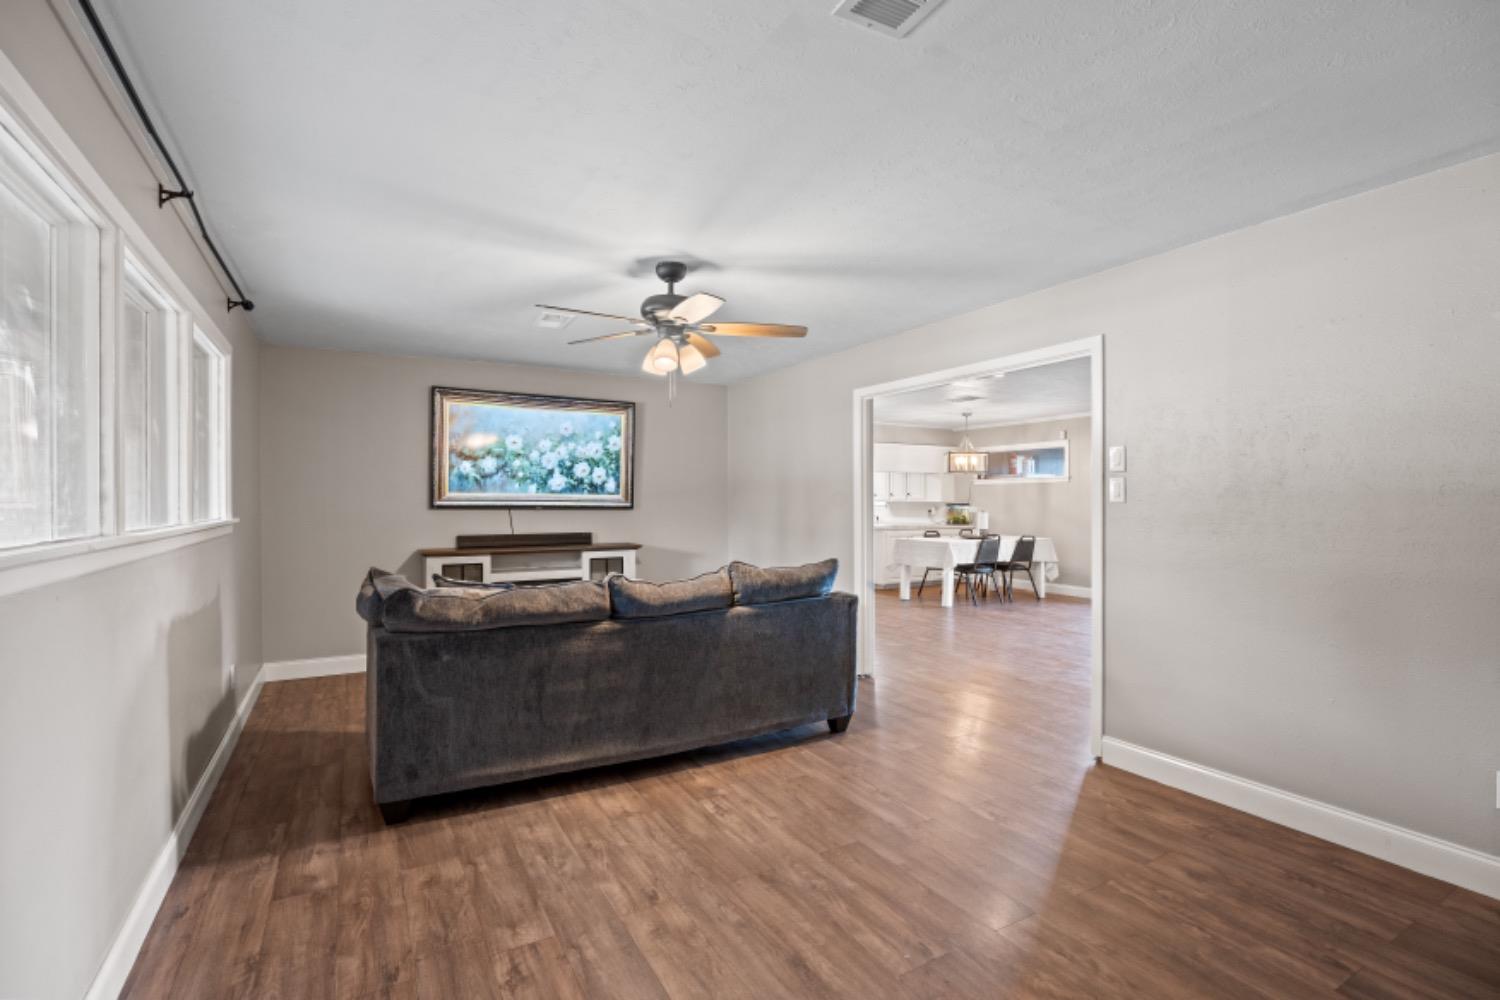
x: 54, y: 562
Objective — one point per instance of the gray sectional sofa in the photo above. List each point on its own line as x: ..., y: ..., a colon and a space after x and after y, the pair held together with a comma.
x: 474, y: 686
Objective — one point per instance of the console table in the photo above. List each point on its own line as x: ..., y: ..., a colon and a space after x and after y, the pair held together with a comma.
x: 527, y: 561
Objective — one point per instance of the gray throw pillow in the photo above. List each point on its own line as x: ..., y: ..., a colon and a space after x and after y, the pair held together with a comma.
x: 641, y: 599
x: 372, y: 592
x: 470, y: 609
x: 439, y: 580
x: 754, y: 585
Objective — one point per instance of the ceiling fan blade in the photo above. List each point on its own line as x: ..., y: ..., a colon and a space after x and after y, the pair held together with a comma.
x: 695, y: 308
x: 751, y: 330
x: 704, y: 345
x: 611, y: 336
x: 590, y: 312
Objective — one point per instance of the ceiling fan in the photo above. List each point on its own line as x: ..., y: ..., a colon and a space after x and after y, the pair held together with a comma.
x: 677, y: 321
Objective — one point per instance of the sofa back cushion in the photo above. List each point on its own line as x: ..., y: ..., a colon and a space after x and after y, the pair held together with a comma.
x: 641, y: 599
x: 754, y: 585
x: 394, y: 602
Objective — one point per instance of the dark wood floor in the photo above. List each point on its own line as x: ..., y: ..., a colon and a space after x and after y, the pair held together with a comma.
x: 955, y: 842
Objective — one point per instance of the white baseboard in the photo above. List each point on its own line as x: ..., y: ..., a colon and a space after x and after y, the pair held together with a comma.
x: 111, y: 976
x: 1065, y: 589
x: 1463, y: 866
x: 323, y: 666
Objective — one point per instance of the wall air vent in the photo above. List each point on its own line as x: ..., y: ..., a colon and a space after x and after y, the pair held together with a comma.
x: 896, y: 18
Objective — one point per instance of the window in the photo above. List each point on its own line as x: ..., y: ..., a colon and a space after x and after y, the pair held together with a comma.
x: 209, y: 448
x: 146, y: 389
x: 114, y: 382
x: 49, y: 417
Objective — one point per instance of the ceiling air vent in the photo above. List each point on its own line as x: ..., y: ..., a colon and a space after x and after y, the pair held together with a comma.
x: 895, y: 18
x: 553, y: 320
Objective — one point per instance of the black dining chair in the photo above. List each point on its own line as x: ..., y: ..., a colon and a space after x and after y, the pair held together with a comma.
x: 929, y: 533
x: 982, y: 569
x: 1020, y: 558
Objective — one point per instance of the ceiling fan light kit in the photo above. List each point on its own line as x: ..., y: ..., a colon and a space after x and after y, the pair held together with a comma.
x: 690, y: 359
x: 677, y: 321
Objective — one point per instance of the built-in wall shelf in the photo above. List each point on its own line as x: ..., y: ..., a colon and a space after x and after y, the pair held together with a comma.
x: 1030, y: 462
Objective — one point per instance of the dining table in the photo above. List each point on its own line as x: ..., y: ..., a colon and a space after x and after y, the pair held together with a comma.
x: 948, y: 553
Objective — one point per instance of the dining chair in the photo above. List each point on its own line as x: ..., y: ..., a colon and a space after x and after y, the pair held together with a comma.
x: 1020, y: 558
x: 929, y: 533
x: 982, y: 569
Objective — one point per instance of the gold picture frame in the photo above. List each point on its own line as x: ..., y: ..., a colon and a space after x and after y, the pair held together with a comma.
x: 512, y: 449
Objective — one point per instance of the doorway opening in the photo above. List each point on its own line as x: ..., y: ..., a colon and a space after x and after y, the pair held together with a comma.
x: 979, y: 495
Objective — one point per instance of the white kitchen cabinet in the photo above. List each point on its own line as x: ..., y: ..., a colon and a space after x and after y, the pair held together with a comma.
x: 886, y: 571
x: 916, y: 472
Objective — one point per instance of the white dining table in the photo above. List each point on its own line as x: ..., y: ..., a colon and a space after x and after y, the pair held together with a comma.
x: 947, y: 553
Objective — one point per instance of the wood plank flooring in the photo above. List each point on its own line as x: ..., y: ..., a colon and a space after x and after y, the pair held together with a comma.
x: 956, y: 842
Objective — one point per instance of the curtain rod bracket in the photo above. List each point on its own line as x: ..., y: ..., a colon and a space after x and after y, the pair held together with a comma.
x: 244, y: 304
x: 163, y: 195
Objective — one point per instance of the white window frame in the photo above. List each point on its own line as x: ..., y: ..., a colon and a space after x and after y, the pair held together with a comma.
x: 23, y: 114
x: 39, y: 169
x: 141, y: 285
x: 219, y: 478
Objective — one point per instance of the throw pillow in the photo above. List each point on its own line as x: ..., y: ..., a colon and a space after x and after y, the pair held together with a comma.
x: 754, y: 585
x: 641, y: 599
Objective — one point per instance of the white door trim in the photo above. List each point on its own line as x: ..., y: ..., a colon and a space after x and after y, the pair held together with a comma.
x: 864, y: 505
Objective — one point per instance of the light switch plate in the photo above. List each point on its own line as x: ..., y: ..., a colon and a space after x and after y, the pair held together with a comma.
x: 1116, y: 489
x: 1117, y: 458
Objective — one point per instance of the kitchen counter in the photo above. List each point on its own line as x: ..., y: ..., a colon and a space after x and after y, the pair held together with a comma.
x: 918, y: 526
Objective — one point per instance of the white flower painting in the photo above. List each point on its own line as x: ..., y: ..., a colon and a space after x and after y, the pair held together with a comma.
x: 503, y: 449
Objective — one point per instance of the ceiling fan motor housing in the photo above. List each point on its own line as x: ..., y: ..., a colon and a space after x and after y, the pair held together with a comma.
x: 657, y: 307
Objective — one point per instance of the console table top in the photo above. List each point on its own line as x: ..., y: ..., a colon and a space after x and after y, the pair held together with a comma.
x: 531, y: 549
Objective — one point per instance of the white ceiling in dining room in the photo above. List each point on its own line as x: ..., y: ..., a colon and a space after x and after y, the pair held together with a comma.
x: 1043, y: 392
x: 411, y: 178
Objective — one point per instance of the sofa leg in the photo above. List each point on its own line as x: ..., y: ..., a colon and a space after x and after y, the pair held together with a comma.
x: 840, y: 724
x: 395, y: 812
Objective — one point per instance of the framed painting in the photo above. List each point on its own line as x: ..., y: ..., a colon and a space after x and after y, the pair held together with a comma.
x: 511, y: 449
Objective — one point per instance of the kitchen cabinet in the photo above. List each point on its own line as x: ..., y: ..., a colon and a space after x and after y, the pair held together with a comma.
x: 915, y: 472
x: 886, y: 572
x: 910, y: 457
x: 918, y: 487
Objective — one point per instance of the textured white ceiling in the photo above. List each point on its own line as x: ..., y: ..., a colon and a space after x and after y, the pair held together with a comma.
x: 411, y: 177
x: 1040, y: 393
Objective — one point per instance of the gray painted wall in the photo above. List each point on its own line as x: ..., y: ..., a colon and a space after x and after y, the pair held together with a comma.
x: 344, y: 447
x: 1302, y: 588
x: 112, y: 693
x: 1060, y: 511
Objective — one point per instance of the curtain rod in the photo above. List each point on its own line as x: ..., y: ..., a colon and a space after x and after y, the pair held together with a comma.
x: 162, y: 194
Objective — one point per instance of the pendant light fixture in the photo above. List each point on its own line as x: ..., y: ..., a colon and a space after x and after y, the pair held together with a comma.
x: 966, y: 459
